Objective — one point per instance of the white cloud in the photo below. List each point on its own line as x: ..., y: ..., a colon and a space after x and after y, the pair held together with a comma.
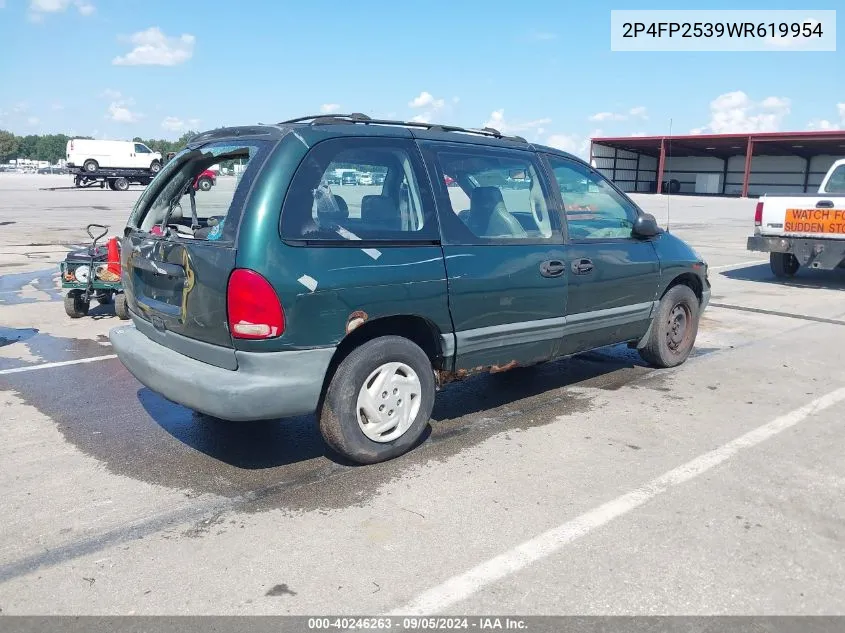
x: 455, y: 99
x: 120, y: 113
x: 108, y: 93
x: 329, y: 108
x: 422, y: 118
x: 825, y: 124
x: 573, y: 143
x: 822, y: 124
x: 498, y: 122
x: 173, y: 124
x: 735, y: 112
x: 154, y: 48
x: 20, y: 107
x: 426, y: 100
x: 607, y: 116
x: 39, y: 8
x: 638, y: 112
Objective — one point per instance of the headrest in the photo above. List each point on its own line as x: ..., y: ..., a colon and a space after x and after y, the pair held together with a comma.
x: 331, y: 209
x: 486, y: 198
x: 381, y: 211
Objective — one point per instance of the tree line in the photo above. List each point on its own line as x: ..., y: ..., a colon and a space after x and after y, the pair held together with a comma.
x: 53, y: 147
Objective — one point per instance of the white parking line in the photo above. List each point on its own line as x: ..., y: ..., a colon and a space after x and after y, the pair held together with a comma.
x: 738, y: 264
x: 20, y: 370
x: 464, y: 585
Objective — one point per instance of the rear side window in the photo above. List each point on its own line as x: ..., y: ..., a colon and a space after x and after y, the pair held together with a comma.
x: 350, y: 189
x: 199, y: 194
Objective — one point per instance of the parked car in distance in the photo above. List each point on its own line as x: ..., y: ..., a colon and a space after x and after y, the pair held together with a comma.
x: 206, y: 180
x: 365, y: 179
x: 349, y: 178
x: 359, y: 308
x: 92, y: 155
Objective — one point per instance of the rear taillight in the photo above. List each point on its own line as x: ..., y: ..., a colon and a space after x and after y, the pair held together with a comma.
x: 71, y: 146
x: 253, y: 307
x: 758, y: 214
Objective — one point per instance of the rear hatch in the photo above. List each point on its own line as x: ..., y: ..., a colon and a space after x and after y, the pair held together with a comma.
x: 809, y: 215
x: 179, y: 249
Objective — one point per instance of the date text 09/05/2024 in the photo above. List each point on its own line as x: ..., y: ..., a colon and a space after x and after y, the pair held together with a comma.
x: 722, y: 29
x: 422, y: 623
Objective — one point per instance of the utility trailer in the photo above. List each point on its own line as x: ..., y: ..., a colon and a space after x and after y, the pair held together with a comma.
x: 117, y: 179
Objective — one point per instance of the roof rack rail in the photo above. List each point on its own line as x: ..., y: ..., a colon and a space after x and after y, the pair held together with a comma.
x: 357, y: 117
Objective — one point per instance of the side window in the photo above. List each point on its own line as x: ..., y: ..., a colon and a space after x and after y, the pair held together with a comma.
x: 836, y: 182
x: 490, y: 195
x: 594, y: 210
x: 359, y: 189
x: 142, y: 149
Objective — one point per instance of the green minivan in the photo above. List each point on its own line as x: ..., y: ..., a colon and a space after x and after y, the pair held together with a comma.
x: 277, y: 294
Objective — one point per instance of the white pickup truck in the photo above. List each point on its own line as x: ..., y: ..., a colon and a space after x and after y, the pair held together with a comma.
x: 803, y: 229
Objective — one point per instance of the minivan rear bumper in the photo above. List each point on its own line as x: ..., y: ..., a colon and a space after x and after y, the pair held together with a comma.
x: 265, y: 386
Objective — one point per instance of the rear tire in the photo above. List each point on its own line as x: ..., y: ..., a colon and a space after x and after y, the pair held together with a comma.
x: 390, y: 365
x: 204, y: 184
x: 674, y: 328
x: 120, y: 184
x: 121, y: 308
x: 75, y: 306
x: 90, y: 165
x: 784, y: 265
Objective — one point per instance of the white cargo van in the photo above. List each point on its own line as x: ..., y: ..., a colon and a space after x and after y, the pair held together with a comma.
x: 92, y: 155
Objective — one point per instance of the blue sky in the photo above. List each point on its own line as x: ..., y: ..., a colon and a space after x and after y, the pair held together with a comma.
x: 543, y: 69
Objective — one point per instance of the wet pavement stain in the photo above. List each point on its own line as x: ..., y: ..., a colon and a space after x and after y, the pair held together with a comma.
x: 48, y: 348
x: 9, y: 335
x: 283, y: 464
x: 11, y: 286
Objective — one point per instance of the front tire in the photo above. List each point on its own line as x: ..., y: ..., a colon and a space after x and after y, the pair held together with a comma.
x: 75, y: 306
x: 784, y: 265
x: 379, y: 401
x: 155, y: 167
x: 674, y: 328
x: 204, y: 184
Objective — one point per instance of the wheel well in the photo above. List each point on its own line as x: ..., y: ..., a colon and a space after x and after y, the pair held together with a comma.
x: 687, y: 279
x: 414, y: 328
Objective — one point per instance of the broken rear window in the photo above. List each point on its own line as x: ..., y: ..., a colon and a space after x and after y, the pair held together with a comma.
x: 199, y: 193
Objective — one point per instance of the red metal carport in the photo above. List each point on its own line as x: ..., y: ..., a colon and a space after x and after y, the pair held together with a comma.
x: 806, y: 145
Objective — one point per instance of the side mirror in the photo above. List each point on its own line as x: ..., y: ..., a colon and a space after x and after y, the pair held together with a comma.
x: 646, y: 226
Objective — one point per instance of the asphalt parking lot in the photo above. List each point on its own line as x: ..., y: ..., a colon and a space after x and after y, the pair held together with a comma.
x: 593, y: 485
